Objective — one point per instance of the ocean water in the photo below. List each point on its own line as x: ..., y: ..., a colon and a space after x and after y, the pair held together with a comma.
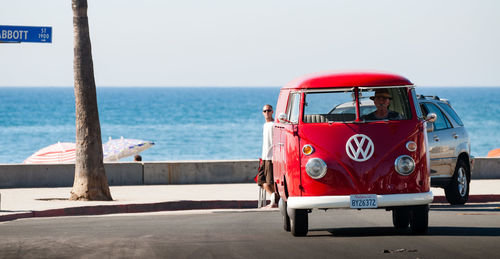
x: 190, y: 123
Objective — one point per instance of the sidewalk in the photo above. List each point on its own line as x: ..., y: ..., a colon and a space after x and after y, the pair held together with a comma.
x: 49, y: 202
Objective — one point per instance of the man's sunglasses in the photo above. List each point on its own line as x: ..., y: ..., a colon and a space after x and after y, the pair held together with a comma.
x: 267, y: 110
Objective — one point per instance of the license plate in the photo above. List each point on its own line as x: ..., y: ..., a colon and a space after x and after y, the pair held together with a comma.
x: 363, y: 201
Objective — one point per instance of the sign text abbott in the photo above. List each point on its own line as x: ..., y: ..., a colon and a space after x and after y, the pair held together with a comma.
x: 10, y: 33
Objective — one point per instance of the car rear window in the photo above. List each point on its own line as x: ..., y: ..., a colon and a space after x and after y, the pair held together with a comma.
x: 451, y: 112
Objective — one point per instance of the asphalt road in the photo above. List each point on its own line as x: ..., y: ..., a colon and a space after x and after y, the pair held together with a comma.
x: 471, y: 231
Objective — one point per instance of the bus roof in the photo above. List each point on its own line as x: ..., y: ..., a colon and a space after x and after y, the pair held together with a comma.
x: 347, y: 79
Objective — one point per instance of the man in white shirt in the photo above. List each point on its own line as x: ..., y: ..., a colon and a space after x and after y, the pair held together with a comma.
x: 265, y: 177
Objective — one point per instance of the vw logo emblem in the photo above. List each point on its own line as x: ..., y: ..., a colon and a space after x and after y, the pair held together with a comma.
x: 359, y: 147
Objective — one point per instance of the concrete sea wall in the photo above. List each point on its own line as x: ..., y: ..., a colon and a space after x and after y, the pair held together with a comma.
x: 486, y: 168
x: 132, y: 173
x: 175, y: 172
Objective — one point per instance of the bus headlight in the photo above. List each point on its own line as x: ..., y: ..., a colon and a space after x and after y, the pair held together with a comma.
x: 316, y: 168
x: 404, y: 165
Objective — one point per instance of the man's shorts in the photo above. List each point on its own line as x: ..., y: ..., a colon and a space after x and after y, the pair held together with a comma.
x: 266, y: 173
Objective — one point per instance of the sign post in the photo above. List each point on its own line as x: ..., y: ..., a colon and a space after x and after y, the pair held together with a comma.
x: 18, y: 34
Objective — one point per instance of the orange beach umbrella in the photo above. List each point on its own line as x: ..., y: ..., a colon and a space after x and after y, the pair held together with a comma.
x: 494, y: 153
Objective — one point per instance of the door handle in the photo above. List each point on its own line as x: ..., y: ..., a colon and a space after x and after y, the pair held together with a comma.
x: 436, y: 138
x: 455, y: 135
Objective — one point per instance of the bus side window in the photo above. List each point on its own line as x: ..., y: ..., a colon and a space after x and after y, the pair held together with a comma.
x: 294, y: 108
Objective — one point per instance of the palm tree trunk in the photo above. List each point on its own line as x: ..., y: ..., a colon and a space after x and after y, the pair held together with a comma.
x: 90, y: 182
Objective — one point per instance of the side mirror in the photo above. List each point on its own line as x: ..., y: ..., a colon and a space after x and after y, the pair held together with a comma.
x: 282, y: 118
x: 431, y: 117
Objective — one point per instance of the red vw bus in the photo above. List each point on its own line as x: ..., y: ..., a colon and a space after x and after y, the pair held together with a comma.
x: 351, y: 140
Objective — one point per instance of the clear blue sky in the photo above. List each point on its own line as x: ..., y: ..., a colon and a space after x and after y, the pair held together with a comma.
x: 258, y: 42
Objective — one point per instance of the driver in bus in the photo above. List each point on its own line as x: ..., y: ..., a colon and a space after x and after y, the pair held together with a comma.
x: 382, y: 100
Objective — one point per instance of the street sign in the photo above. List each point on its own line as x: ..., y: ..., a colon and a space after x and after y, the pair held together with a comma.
x: 9, y: 33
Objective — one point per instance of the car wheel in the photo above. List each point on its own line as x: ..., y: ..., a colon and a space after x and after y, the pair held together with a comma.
x: 286, y: 219
x: 457, y: 192
x: 419, y: 219
x: 286, y: 223
x: 401, y: 218
x: 299, y: 223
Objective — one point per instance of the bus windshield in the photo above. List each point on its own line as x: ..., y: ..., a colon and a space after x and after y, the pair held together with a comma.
x: 339, y: 105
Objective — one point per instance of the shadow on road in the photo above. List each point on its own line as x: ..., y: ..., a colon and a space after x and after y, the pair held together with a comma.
x: 390, y: 231
x: 464, y: 231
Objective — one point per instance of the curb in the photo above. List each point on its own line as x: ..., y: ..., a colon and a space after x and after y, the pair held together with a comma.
x: 179, y: 205
x: 134, y: 208
x: 478, y: 198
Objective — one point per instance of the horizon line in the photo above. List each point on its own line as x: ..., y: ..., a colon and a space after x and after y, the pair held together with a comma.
x: 218, y: 86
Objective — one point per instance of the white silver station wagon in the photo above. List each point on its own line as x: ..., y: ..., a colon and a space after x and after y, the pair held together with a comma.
x: 449, y: 149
